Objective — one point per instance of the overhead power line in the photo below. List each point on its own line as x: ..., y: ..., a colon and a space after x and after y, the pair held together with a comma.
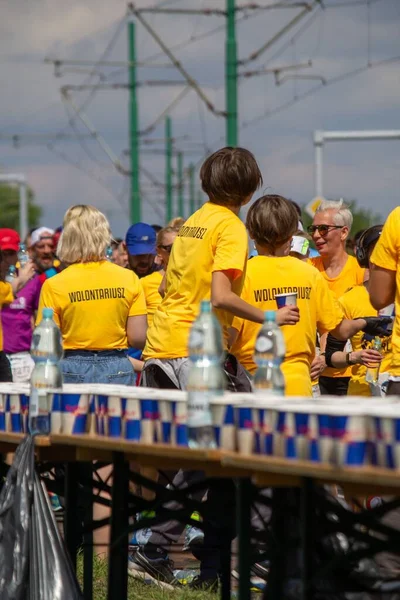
x: 270, y: 112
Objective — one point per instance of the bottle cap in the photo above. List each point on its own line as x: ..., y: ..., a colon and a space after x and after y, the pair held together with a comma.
x: 205, y: 306
x: 22, y: 247
x: 47, y: 313
x: 12, y: 269
x: 270, y: 315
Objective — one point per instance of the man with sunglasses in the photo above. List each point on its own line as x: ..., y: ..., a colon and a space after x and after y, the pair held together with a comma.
x: 330, y: 230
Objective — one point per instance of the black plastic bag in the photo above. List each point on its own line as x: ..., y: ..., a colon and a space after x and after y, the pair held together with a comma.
x: 34, y: 564
x: 15, y: 510
x: 51, y: 575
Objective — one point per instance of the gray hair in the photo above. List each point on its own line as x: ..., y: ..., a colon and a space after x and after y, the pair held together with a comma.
x: 342, y: 214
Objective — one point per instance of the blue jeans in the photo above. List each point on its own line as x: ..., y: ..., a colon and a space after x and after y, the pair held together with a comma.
x: 109, y: 366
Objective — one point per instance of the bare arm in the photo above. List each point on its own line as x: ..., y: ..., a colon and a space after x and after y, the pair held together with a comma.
x: 136, y: 331
x: 232, y: 336
x: 347, y: 328
x: 381, y: 287
x: 25, y: 274
x: 224, y: 298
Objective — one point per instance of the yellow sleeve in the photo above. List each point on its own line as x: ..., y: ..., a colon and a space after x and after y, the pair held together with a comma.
x: 231, y: 248
x: 6, y: 293
x: 387, y: 249
x: 138, y: 305
x: 329, y: 312
x: 343, y: 303
x: 47, y: 300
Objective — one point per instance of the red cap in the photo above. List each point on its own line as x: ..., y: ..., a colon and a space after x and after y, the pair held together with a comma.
x: 9, y: 239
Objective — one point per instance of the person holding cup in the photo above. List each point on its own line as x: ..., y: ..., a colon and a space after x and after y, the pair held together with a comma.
x: 274, y: 279
x: 356, y: 303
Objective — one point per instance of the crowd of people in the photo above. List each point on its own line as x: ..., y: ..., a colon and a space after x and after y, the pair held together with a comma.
x: 125, y: 306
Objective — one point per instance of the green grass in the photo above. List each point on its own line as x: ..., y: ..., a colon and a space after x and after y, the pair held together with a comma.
x: 136, y: 589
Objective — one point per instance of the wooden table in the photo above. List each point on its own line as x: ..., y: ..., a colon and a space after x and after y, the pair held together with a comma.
x: 262, y: 470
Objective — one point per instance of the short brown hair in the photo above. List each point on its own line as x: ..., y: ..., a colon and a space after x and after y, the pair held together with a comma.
x: 230, y: 175
x: 272, y: 220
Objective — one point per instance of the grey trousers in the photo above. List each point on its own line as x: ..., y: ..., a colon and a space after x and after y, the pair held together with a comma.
x: 165, y: 534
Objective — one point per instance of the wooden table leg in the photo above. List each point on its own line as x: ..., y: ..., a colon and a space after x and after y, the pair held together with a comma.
x: 118, y: 554
x: 72, y: 525
x: 307, y: 542
x: 87, y: 477
x: 243, y: 512
x: 276, y: 576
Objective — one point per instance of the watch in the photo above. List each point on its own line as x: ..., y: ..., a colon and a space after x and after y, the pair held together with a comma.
x: 348, y: 359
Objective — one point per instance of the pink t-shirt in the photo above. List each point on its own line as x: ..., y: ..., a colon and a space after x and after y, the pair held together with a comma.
x: 16, y: 318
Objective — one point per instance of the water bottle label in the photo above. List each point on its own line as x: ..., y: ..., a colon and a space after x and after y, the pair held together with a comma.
x: 38, y: 402
x: 199, y: 413
x: 263, y: 343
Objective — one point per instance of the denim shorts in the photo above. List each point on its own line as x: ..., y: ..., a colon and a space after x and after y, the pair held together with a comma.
x: 82, y: 366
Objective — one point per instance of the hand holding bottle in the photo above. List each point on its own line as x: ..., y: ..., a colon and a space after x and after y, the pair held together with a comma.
x: 25, y: 274
x: 368, y: 357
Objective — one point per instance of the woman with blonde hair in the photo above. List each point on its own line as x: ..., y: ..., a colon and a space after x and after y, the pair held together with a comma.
x: 152, y: 282
x: 99, y: 306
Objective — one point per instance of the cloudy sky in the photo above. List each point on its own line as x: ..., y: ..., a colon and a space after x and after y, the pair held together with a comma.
x: 277, y: 121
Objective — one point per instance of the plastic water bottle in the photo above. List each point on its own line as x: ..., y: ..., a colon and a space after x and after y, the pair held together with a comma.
x: 46, y: 351
x: 206, y: 377
x: 372, y: 374
x: 11, y: 274
x: 269, y: 353
x: 23, y: 256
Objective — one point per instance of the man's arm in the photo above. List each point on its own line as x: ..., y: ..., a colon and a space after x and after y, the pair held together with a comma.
x: 381, y: 286
x: 224, y: 298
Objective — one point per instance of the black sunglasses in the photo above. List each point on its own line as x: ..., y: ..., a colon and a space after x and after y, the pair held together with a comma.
x: 322, y: 229
x: 166, y: 248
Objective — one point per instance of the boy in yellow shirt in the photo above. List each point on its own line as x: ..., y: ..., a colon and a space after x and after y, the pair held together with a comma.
x: 271, y: 222
x: 208, y: 261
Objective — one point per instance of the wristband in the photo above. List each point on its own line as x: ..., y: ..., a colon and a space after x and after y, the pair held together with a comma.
x: 348, y: 359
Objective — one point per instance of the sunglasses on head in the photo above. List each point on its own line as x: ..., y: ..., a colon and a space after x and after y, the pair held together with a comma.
x: 167, y: 248
x: 322, y: 229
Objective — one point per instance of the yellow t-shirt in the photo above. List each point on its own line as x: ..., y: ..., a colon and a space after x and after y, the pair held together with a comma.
x: 386, y: 255
x: 212, y: 239
x: 91, y: 303
x: 267, y: 276
x: 351, y: 274
x: 355, y: 304
x: 150, y: 285
x: 6, y: 297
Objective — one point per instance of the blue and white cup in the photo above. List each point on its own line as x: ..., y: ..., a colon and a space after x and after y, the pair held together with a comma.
x: 384, y: 434
x: 289, y: 299
x: 75, y: 401
x: 18, y: 404
x: 105, y: 400
x: 349, y: 433
x: 141, y: 415
x: 223, y: 418
x: 3, y: 406
x: 254, y: 417
x: 54, y: 401
x: 168, y: 410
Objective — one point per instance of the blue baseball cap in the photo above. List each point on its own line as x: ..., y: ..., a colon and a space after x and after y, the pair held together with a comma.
x: 141, y: 239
